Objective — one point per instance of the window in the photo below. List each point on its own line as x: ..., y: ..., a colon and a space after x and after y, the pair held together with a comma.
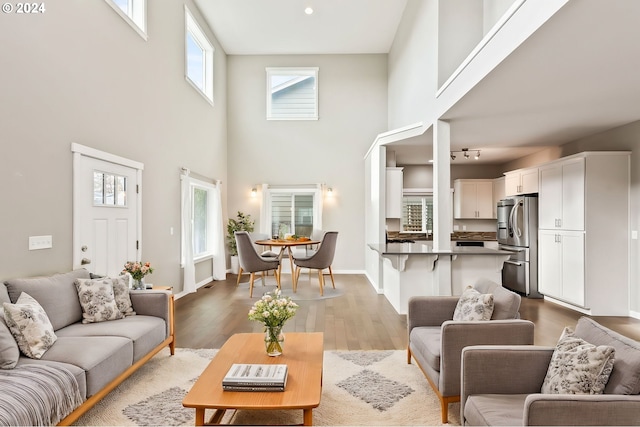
x: 200, y: 231
x: 292, y: 93
x: 109, y: 189
x: 417, y: 213
x: 134, y: 12
x: 293, y: 210
x: 198, y: 57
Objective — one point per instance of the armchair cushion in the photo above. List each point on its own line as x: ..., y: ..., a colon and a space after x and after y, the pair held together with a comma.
x: 625, y: 377
x: 578, y: 367
x: 473, y: 306
x: 426, y: 341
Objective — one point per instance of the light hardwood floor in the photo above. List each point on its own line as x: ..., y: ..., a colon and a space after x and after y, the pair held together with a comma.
x: 359, y: 320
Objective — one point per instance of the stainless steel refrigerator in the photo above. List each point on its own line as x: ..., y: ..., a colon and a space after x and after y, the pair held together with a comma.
x: 518, y: 234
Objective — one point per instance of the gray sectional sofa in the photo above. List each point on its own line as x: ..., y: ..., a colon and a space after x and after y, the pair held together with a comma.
x: 98, y: 355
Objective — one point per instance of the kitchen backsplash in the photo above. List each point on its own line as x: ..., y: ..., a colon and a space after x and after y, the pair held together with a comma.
x: 484, y: 236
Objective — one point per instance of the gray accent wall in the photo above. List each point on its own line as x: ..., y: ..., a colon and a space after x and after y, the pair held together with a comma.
x: 79, y: 73
x: 352, y: 111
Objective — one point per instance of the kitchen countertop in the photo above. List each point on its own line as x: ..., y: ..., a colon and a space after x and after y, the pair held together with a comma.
x: 427, y: 249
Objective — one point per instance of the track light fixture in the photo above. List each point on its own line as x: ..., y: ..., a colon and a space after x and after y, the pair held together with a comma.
x: 465, y: 153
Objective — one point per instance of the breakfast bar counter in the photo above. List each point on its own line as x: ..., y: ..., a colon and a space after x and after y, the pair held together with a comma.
x: 413, y: 269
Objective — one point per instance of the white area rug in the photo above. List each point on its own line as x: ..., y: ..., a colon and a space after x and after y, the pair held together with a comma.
x: 360, y: 388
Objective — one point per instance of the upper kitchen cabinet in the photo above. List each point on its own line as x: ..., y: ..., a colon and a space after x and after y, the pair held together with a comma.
x: 561, y: 199
x: 473, y: 199
x: 521, y: 181
x: 394, y: 193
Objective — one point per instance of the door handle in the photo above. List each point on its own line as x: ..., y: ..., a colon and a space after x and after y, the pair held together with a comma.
x: 85, y: 261
x: 513, y: 263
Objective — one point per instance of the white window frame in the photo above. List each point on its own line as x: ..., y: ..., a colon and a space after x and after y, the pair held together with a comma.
x: 293, y: 71
x: 136, y: 15
x: 208, y: 254
x: 266, y: 211
x: 192, y: 27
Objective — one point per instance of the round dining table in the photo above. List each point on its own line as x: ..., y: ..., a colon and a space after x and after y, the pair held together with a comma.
x: 286, y: 244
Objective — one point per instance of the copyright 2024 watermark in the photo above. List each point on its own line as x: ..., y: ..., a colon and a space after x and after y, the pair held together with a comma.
x: 24, y: 8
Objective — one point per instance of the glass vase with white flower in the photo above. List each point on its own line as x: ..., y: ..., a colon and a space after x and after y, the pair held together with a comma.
x: 273, y: 310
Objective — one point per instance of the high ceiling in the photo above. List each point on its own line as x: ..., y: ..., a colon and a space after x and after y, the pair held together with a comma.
x: 576, y: 76
x: 270, y: 27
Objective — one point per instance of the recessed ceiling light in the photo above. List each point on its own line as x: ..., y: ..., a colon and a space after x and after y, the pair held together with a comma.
x: 308, y: 11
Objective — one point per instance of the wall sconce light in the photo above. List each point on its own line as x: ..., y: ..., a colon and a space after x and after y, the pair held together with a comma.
x: 254, y: 192
x: 465, y: 153
x: 329, y: 192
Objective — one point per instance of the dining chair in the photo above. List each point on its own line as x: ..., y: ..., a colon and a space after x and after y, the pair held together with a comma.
x: 319, y: 260
x: 252, y: 262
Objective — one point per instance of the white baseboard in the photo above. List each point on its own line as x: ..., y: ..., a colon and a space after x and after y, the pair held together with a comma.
x: 198, y: 286
x: 567, y: 305
x: 634, y: 314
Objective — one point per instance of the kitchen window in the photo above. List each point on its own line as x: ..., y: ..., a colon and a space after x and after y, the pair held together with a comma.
x: 417, y: 213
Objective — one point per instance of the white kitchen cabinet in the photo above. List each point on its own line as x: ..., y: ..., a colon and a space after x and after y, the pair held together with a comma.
x: 561, y: 204
x: 521, y: 181
x: 498, y: 194
x: 583, y: 238
x: 473, y: 199
x: 561, y: 265
x: 394, y: 193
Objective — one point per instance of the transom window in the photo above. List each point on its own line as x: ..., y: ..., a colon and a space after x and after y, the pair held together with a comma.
x: 292, y: 93
x: 198, y: 57
x: 109, y: 189
x: 134, y: 12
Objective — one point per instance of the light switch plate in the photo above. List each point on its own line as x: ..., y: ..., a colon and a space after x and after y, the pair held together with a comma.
x: 634, y: 234
x: 40, y: 242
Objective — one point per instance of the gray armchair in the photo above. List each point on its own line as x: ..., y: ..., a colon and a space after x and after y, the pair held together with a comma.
x: 501, y: 385
x: 436, y: 341
x: 252, y: 262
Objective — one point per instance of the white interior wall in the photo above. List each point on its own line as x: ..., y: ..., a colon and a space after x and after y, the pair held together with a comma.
x: 80, y: 73
x: 352, y: 102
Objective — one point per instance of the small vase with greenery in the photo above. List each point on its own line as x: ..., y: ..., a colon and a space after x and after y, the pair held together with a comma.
x: 241, y: 222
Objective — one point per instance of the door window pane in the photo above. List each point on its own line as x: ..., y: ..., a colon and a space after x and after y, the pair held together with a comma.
x: 109, y: 190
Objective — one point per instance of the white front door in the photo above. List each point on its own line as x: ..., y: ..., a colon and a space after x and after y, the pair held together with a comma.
x: 106, y: 208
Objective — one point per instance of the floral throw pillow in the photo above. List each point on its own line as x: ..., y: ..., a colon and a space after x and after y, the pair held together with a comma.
x: 473, y: 306
x: 29, y: 325
x: 97, y: 300
x: 121, y: 293
x: 578, y: 367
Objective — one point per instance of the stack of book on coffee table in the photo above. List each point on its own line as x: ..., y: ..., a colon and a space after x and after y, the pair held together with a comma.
x: 255, y: 377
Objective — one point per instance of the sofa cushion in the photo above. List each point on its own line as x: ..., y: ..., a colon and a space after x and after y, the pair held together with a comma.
x: 4, y: 294
x: 9, y: 351
x: 425, y: 341
x: 121, y: 293
x: 625, y: 377
x: 29, y: 325
x: 578, y: 367
x: 473, y: 306
x: 97, y: 300
x: 57, y: 294
x: 102, y: 358
x: 494, y: 409
x: 146, y: 332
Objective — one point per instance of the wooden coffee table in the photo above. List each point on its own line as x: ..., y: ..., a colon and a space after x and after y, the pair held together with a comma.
x: 302, y: 354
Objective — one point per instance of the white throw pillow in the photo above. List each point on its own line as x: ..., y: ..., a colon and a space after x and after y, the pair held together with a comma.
x: 121, y: 293
x: 97, y: 300
x: 29, y: 325
x: 473, y: 306
x: 578, y: 367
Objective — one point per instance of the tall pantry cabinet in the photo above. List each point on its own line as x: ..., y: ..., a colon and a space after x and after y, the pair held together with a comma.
x: 583, y: 237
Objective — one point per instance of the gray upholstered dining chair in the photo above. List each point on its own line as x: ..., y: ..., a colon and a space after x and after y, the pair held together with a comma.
x: 319, y: 260
x: 252, y: 262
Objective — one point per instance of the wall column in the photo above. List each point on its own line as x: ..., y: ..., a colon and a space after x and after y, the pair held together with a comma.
x: 442, y: 209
